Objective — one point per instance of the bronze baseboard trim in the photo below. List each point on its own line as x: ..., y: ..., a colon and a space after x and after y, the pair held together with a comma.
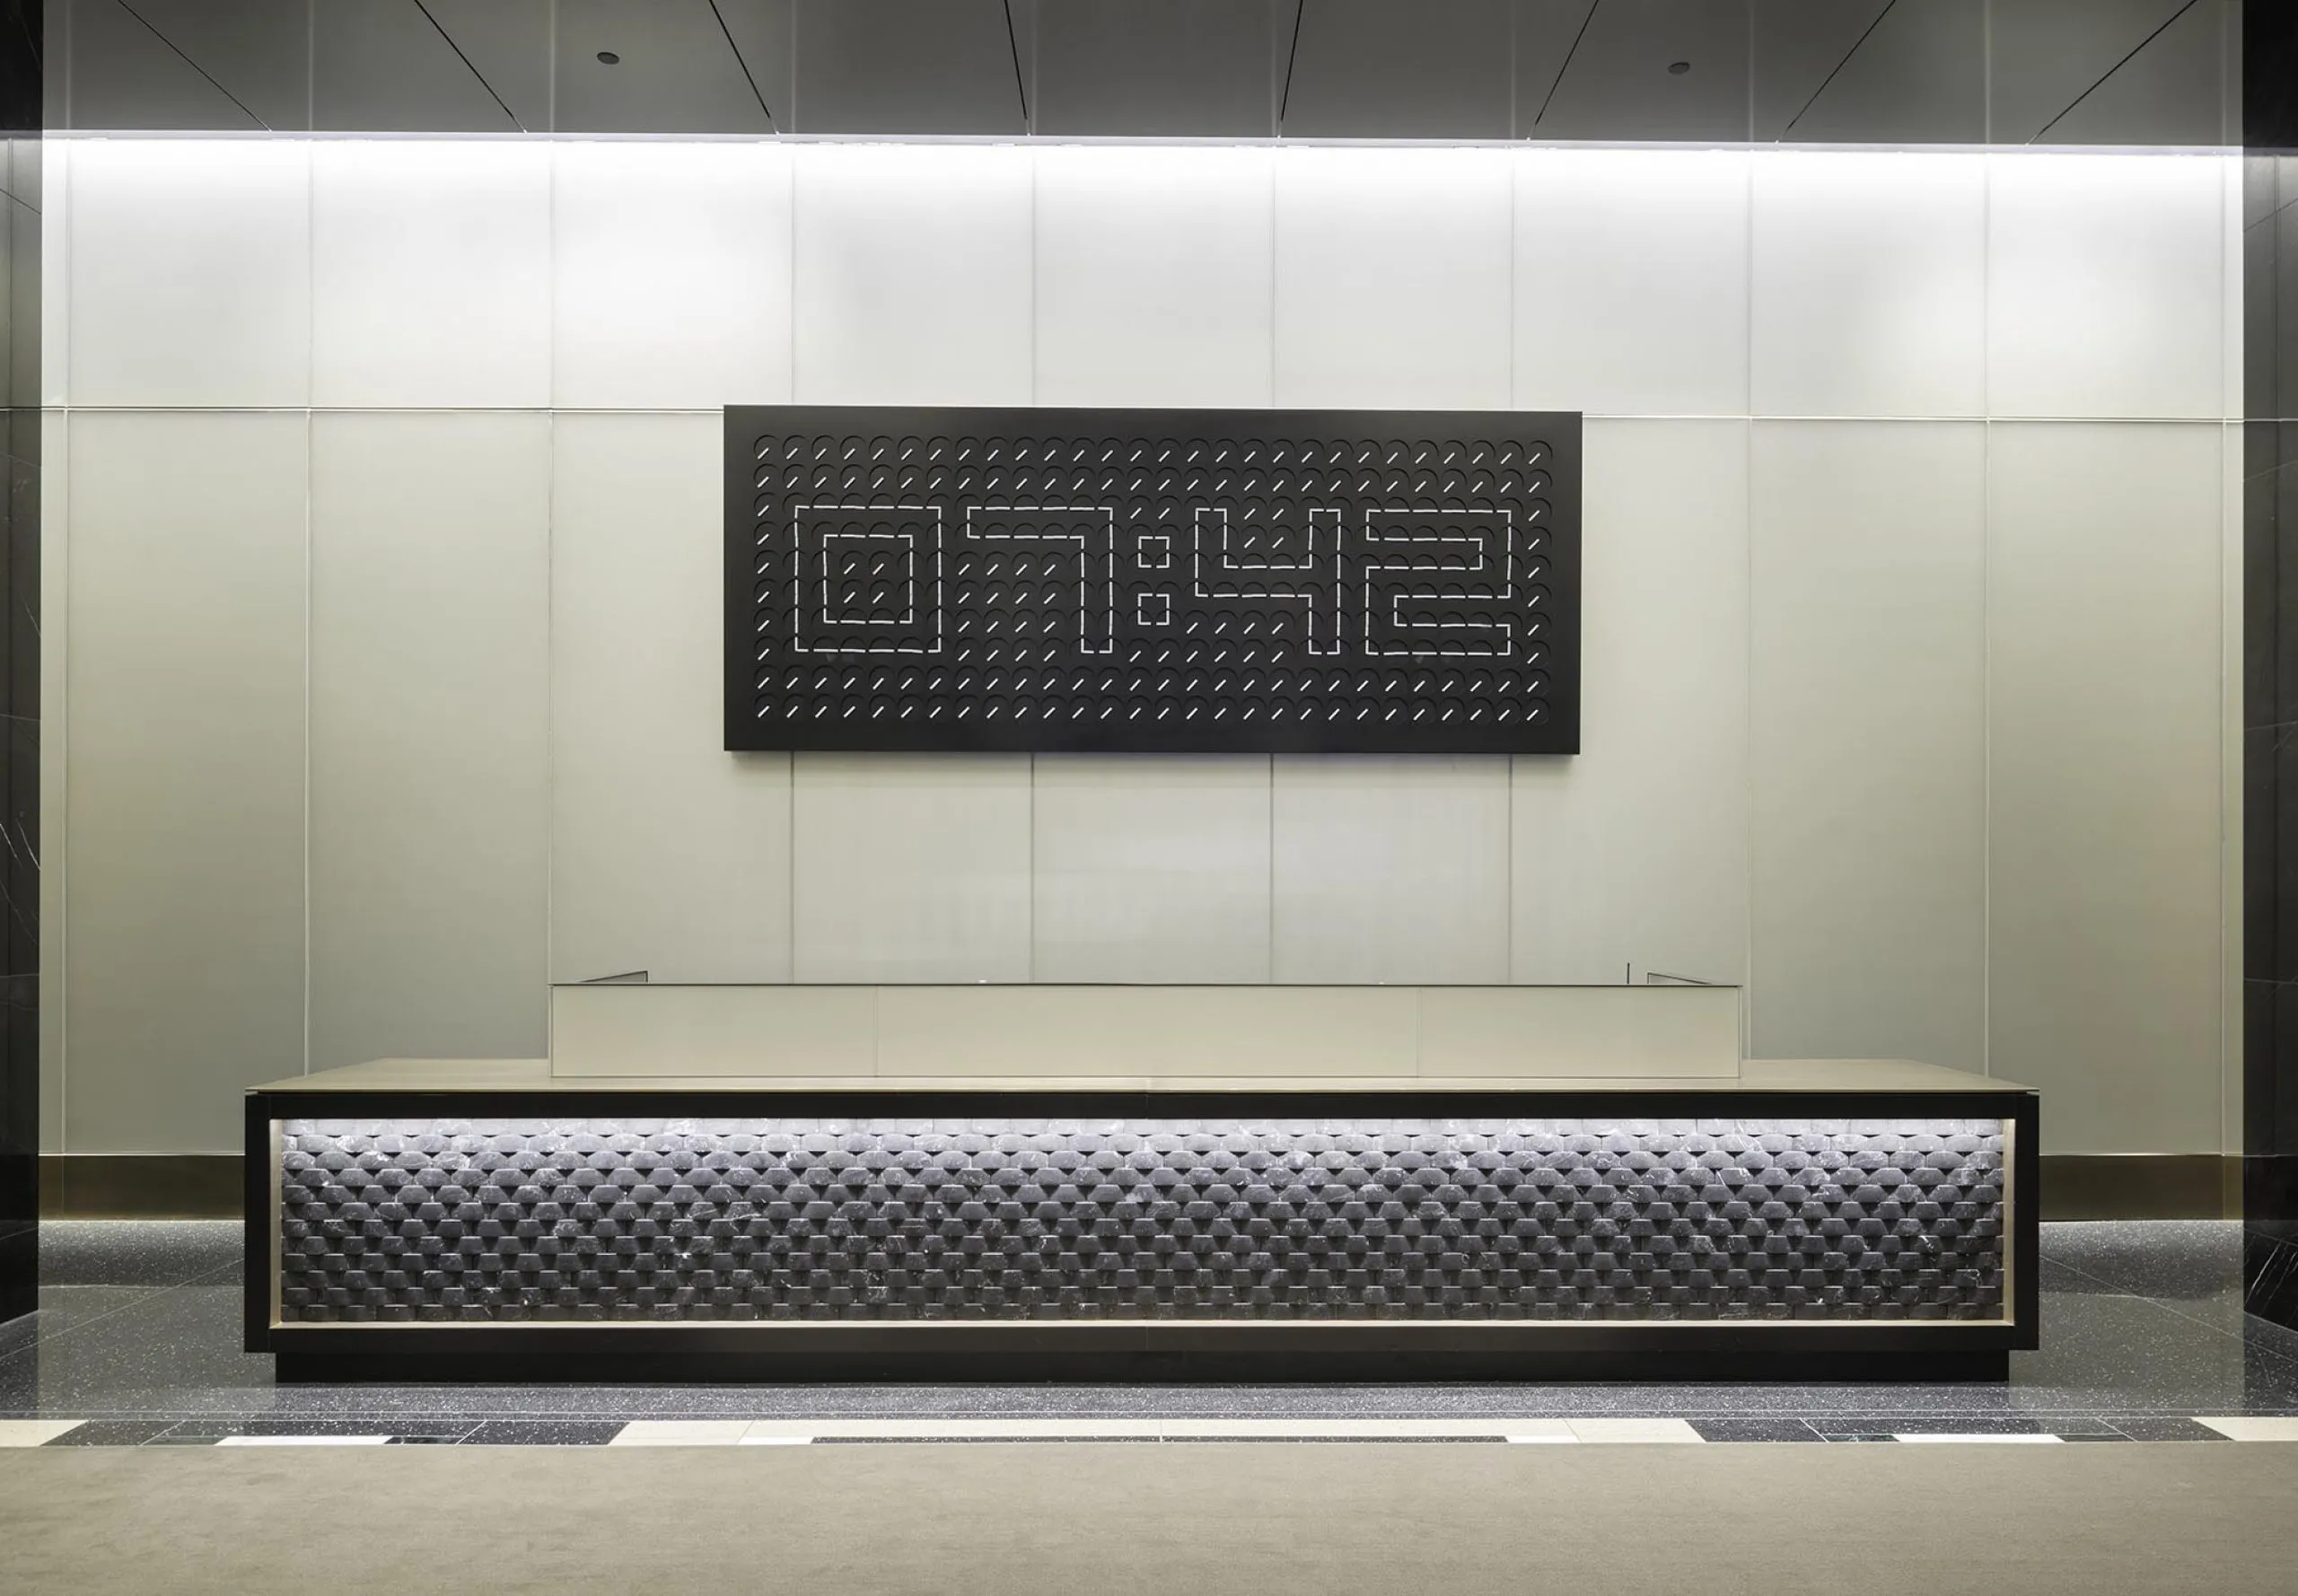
x: 210, y: 1186
x: 2141, y: 1185
x: 141, y: 1186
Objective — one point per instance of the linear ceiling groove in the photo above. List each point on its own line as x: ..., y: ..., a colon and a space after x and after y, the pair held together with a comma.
x: 1300, y: 9
x: 2110, y: 71
x: 1839, y: 66
x: 743, y: 61
x: 1020, y: 89
x: 194, y: 66
x: 1550, y: 98
x: 475, y: 72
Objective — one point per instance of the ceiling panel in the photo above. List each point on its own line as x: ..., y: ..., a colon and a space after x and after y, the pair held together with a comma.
x: 507, y: 43
x: 1919, y: 76
x: 258, y: 51
x: 2168, y: 94
x: 907, y: 66
x: 126, y: 76
x: 383, y: 66
x: 1141, y: 68
x: 1620, y: 83
x: 2232, y: 64
x: 1373, y: 69
x: 1892, y: 72
x: 23, y: 92
x: 2043, y: 54
x: 1798, y: 43
x: 56, y: 76
x: 675, y: 72
x: 2269, y: 84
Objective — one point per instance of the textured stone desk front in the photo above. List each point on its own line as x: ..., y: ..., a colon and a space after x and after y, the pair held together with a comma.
x: 440, y: 1215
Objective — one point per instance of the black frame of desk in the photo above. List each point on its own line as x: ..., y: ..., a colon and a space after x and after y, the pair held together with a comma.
x: 1037, y: 1349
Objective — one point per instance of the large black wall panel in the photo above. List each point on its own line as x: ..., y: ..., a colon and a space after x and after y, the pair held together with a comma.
x: 1176, y: 581
x: 2270, y: 108
x: 22, y: 100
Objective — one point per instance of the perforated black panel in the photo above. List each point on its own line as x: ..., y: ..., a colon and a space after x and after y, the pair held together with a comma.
x: 1153, y: 580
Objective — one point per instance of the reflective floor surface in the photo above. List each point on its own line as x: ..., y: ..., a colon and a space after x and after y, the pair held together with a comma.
x: 137, y: 1343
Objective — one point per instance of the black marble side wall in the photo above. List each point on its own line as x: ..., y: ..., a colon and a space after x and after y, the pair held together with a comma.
x: 20, y: 79
x: 2270, y: 657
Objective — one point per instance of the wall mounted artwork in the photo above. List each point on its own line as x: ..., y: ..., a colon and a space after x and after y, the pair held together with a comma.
x: 1153, y: 581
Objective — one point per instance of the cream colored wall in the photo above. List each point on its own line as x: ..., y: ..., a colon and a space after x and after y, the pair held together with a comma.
x: 383, y: 642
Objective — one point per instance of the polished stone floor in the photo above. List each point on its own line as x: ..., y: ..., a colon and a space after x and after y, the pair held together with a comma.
x: 137, y: 1342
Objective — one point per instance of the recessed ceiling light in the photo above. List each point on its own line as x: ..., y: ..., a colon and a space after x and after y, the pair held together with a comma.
x: 1675, y: 68
x: 607, y: 59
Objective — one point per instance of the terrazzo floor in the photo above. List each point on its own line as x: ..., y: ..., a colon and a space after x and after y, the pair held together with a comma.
x: 137, y: 1343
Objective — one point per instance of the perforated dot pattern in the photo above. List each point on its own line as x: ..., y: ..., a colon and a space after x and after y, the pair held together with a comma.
x: 1153, y: 580
x: 883, y: 1219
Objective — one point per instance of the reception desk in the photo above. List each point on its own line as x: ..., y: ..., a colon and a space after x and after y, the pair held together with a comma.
x: 492, y: 1219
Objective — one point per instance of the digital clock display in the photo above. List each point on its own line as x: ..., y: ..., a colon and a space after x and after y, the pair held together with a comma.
x: 1152, y: 580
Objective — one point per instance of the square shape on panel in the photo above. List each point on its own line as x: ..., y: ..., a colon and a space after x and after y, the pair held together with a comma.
x: 854, y: 571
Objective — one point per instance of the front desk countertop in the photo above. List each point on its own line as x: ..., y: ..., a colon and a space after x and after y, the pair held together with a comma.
x: 1891, y: 1077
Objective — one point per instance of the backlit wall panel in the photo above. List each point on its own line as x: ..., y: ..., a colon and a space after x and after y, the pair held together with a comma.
x: 1799, y: 504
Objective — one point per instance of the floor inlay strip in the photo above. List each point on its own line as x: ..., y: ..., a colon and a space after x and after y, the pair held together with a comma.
x: 2253, y: 1428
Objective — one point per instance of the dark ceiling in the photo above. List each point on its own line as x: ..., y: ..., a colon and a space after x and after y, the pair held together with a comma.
x: 2112, y: 72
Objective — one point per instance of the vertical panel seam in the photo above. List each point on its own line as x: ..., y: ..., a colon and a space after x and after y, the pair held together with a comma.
x: 311, y: 386
x: 790, y: 797
x: 1276, y: 234
x: 1986, y: 74
x: 2232, y: 641
x: 550, y: 601
x: 2233, y: 793
x: 1748, y: 734
x: 1030, y: 893
x: 1986, y: 614
x: 308, y: 576
x: 63, y: 852
x: 1515, y: 112
x: 1515, y: 288
x: 1269, y: 944
x: 2230, y: 792
x: 1275, y: 193
x: 550, y: 718
x: 64, y: 643
x: 1748, y: 747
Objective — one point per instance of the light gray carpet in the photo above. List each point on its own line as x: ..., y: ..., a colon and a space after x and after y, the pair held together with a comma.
x: 1690, y: 1520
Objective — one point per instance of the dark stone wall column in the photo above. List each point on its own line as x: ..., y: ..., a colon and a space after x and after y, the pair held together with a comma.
x: 20, y: 78
x: 2270, y: 657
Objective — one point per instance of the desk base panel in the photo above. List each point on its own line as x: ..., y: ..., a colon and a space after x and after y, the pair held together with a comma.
x: 1703, y: 1234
